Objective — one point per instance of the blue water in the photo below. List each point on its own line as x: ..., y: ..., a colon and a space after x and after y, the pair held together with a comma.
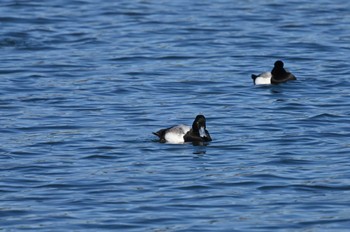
x: 84, y: 83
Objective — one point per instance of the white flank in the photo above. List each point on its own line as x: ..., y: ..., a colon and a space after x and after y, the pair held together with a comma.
x: 176, y: 134
x: 263, y: 79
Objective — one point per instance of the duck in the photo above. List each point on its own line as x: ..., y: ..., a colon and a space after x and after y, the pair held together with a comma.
x: 277, y: 75
x: 182, y: 133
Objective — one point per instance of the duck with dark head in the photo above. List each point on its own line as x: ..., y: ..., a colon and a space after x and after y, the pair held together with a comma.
x: 198, y: 133
x: 280, y: 75
x: 276, y: 76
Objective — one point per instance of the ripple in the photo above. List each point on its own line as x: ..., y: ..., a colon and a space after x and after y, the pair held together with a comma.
x: 324, y: 116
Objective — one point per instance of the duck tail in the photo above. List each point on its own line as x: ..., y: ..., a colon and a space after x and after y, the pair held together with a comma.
x: 156, y: 134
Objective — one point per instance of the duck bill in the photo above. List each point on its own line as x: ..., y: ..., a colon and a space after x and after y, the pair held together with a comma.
x: 202, y: 132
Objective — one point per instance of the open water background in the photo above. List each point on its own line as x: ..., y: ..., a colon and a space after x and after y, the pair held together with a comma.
x: 83, y: 83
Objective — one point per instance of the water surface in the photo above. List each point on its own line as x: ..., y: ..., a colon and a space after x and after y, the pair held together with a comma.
x: 84, y: 83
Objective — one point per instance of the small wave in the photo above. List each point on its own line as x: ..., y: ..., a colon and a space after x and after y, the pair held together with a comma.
x: 98, y: 157
x: 322, y: 187
x: 324, y: 221
x: 288, y: 161
x: 324, y: 116
x: 11, y: 42
x: 44, y: 128
x: 306, y: 187
x: 24, y: 44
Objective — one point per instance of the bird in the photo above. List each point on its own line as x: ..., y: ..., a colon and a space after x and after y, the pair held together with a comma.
x: 277, y: 75
x: 182, y: 133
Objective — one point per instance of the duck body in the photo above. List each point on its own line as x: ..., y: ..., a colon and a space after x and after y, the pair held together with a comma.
x: 183, y: 133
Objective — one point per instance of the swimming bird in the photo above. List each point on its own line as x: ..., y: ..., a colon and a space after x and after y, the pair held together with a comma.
x: 182, y: 133
x: 276, y: 76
